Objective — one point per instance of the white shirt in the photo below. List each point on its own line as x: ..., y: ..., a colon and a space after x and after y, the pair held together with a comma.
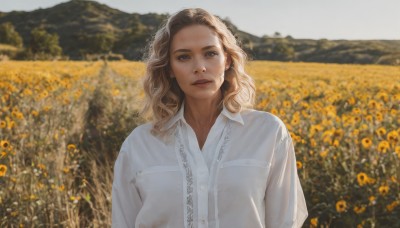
x: 244, y: 177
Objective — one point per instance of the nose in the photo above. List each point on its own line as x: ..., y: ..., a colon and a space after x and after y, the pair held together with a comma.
x: 199, y: 67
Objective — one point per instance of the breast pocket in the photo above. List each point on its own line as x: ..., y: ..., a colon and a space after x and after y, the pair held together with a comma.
x: 159, y: 183
x: 241, y: 191
x: 160, y: 189
x: 243, y: 177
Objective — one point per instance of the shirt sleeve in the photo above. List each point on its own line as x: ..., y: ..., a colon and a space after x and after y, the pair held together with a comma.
x: 285, y: 204
x: 126, y: 201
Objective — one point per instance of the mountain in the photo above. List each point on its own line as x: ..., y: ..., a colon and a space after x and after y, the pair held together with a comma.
x: 77, y: 21
x: 86, y: 27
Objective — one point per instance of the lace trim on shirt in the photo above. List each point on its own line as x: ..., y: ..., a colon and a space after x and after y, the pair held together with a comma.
x: 189, y: 184
x: 189, y: 175
x: 226, y: 140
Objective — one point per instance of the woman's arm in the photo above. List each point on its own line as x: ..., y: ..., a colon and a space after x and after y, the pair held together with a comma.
x: 285, y: 205
x: 126, y: 201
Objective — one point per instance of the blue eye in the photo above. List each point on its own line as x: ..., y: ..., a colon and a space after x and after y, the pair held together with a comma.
x: 211, y: 53
x: 183, y: 57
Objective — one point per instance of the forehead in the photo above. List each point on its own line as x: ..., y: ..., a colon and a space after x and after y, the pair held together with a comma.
x: 195, y: 36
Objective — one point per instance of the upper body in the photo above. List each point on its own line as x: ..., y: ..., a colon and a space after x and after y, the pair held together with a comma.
x: 244, y: 176
x: 206, y: 159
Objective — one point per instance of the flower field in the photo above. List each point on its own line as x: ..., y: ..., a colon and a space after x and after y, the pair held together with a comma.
x: 62, y: 124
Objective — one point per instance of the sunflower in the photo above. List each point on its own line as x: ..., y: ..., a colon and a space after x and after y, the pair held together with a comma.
x: 299, y: 165
x: 392, y: 206
x: 324, y: 153
x: 3, y: 170
x: 314, y: 222
x: 383, y: 190
x: 359, y: 209
x: 397, y: 150
x: 381, y: 131
x: 383, y: 146
x: 341, y: 206
x: 362, y: 179
x: 71, y: 147
x: 4, y: 144
x: 393, y: 137
x: 372, y: 200
x: 366, y: 143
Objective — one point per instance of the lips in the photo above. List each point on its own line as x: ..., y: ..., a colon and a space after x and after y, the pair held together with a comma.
x: 201, y: 82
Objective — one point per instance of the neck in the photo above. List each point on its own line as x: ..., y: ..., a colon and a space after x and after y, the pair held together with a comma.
x: 201, y: 116
x: 202, y: 112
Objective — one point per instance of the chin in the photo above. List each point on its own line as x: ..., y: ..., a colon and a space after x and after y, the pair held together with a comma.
x: 203, y: 95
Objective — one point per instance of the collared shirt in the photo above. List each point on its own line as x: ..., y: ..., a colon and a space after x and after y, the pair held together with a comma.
x: 245, y: 176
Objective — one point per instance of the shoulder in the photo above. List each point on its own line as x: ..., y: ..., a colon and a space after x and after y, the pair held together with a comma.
x: 264, y: 121
x: 139, y: 135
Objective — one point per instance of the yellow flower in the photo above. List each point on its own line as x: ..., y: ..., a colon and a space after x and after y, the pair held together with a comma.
x: 313, y: 143
x: 372, y: 104
x: 75, y: 199
x: 362, y: 179
x: 371, y: 180
x: 314, y: 222
x: 392, y: 206
x: 66, y: 170
x: 335, y: 143
x: 71, y: 147
x: 299, y: 165
x: 397, y: 150
x: 379, y: 116
x: 323, y: 154
x: 35, y: 113
x: 359, y: 209
x: 341, y: 206
x: 366, y: 143
x: 3, y: 154
x: 3, y: 124
x: 287, y: 104
x: 3, y: 170
x: 393, y: 137
x: 315, y: 129
x: 381, y: 131
x: 4, y: 144
x: 372, y: 200
x: 61, y: 188
x: 41, y: 166
x: 274, y: 111
x: 383, y: 190
x: 383, y: 146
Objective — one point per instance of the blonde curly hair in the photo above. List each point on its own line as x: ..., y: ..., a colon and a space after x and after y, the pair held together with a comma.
x: 163, y: 96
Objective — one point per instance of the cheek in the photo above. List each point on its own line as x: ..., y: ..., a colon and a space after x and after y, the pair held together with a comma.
x: 179, y: 68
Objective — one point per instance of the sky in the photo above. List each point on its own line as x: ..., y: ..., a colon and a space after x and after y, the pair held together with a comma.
x: 313, y: 19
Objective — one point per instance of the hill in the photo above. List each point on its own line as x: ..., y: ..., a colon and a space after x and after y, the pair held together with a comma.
x: 80, y: 24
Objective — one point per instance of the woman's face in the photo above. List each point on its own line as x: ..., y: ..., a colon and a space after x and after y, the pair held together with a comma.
x: 198, y: 62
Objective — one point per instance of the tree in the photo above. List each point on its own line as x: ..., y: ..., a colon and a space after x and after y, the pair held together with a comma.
x: 100, y: 43
x: 8, y: 35
x: 44, y: 45
x: 283, y: 50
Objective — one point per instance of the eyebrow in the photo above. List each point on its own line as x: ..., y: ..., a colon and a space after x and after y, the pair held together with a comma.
x: 188, y: 50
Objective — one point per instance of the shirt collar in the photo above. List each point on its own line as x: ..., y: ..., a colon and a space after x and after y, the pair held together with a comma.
x: 237, y: 117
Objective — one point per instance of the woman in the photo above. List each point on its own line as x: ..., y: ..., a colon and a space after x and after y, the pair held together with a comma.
x: 206, y: 159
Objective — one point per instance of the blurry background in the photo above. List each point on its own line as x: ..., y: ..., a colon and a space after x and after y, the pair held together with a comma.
x: 309, y: 30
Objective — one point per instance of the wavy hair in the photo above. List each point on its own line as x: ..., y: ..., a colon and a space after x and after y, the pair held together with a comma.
x: 163, y: 96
